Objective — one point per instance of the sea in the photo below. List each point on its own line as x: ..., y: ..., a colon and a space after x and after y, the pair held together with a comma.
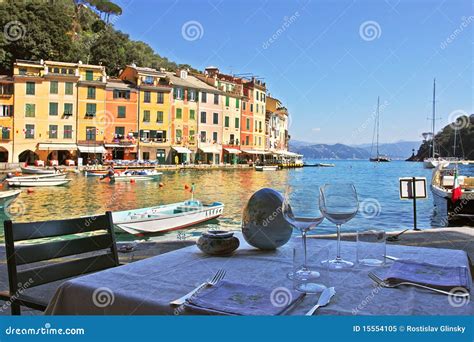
x: 377, y: 186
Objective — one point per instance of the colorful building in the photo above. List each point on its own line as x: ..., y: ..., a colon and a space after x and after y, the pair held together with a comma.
x: 259, y: 111
x: 276, y: 126
x: 122, y: 124
x: 154, y: 112
x: 6, y: 119
x: 247, y: 124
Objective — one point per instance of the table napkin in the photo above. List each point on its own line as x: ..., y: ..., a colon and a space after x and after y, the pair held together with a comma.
x: 437, y: 276
x: 230, y: 298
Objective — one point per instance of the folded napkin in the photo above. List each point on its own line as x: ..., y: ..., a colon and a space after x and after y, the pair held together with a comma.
x: 436, y: 276
x: 241, y: 299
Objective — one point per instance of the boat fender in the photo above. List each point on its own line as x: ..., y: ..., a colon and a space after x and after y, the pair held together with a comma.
x: 186, y: 186
x: 29, y: 191
x: 132, y: 181
x: 161, y: 185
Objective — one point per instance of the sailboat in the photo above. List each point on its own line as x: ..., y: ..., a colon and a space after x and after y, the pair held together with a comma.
x: 379, y: 157
x: 433, y: 162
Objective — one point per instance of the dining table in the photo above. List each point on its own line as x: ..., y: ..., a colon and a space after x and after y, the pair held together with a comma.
x: 146, y: 287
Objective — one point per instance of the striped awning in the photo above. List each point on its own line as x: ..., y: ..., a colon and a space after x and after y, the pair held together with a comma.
x: 57, y: 147
x: 181, y: 149
x: 91, y: 149
x: 255, y: 152
x: 233, y: 150
x: 210, y: 149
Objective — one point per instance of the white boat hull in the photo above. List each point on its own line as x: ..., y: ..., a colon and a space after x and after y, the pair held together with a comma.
x: 35, y: 171
x: 8, y: 195
x: 434, y: 163
x: 37, y: 177
x: 266, y: 168
x: 38, y: 182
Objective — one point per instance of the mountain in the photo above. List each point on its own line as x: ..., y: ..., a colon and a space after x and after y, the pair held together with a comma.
x: 324, y: 151
x: 397, y: 150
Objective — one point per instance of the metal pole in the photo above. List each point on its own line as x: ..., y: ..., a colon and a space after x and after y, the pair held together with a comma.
x: 414, y: 203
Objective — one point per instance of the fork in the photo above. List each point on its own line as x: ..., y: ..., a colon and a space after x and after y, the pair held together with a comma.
x: 386, y: 284
x: 212, y: 281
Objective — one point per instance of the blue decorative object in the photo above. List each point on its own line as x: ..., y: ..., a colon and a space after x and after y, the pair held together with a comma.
x: 263, y: 225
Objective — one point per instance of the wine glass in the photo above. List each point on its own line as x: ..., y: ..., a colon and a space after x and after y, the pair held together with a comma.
x: 339, y: 204
x: 304, y: 224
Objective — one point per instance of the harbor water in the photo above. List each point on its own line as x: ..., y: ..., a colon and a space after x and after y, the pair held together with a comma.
x: 377, y: 185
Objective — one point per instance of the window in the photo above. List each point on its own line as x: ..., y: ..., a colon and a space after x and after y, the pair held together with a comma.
x: 159, y: 117
x: 244, y: 105
x: 146, y: 116
x: 179, y: 113
x: 247, y: 140
x: 203, y: 117
x: 179, y: 134
x: 192, y: 114
x: 202, y: 136
x: 23, y: 71
x: 203, y: 97
x: 29, y: 131
x: 256, y: 126
x: 121, y: 111
x: 260, y: 126
x: 191, y: 135
x: 121, y: 94
x: 89, y: 75
x: 256, y: 95
x: 231, y: 139
x: 216, y: 99
x: 53, y: 108
x: 68, y: 109
x: 30, y: 88
x: 215, y: 118
x: 148, y: 80
x: 119, y: 132
x: 30, y: 110
x: 248, y: 124
x: 53, y: 131
x: 178, y: 93
x: 161, y: 97
x: 214, y: 136
x: 5, y: 133
x: 237, y: 103
x: 256, y: 108
x: 237, y: 123
x: 91, y: 133
x: 251, y: 107
x: 227, y: 101
x: 91, y: 92
x: 67, y: 132
x: 91, y: 109
x: 6, y: 111
x: 259, y: 141
x: 69, y: 88
x: 53, y: 87
x: 147, y: 97
x: 226, y: 121
x: 191, y: 95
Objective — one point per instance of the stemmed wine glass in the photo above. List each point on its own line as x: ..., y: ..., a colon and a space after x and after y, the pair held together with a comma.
x: 339, y: 204
x: 304, y: 224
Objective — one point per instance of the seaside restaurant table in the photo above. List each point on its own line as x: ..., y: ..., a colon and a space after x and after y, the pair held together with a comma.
x: 146, y: 287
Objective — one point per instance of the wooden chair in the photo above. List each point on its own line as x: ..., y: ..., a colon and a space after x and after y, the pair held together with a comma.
x: 102, y: 244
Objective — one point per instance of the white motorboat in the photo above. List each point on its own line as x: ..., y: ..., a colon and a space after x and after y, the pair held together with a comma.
x: 37, y: 171
x: 39, y: 176
x: 165, y: 218
x: 432, y: 163
x: 8, y: 195
x: 266, y: 167
x: 37, y: 182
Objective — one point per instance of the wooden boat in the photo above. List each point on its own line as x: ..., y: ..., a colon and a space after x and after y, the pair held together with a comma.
x: 8, y: 195
x: 95, y: 173
x: 378, y: 157
x: 266, y: 167
x: 326, y: 165
x: 37, y: 182
x: 36, y: 171
x: 35, y: 177
x: 442, y: 184
x: 165, y: 218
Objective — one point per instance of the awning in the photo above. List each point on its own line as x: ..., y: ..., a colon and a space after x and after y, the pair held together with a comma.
x: 255, y: 152
x: 233, y: 150
x: 91, y: 149
x: 118, y: 146
x: 210, y: 149
x: 57, y: 147
x: 180, y: 149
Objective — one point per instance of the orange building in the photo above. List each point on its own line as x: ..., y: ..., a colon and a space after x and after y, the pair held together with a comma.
x: 121, y: 125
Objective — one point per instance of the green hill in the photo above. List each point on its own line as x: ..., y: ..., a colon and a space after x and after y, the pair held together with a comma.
x: 69, y: 31
x: 445, y: 140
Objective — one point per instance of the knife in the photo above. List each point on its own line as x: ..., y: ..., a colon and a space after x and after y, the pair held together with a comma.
x: 323, y: 300
x: 391, y: 257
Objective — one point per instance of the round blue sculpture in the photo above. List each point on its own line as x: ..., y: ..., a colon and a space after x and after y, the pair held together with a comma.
x: 263, y: 224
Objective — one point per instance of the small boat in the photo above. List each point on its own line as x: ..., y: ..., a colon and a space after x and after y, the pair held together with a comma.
x: 266, y: 167
x: 132, y: 178
x: 35, y: 177
x: 166, y: 218
x: 8, y: 195
x: 432, y: 163
x: 37, y: 171
x: 380, y: 159
x: 326, y: 165
x: 442, y: 184
x: 37, y: 182
x: 95, y: 173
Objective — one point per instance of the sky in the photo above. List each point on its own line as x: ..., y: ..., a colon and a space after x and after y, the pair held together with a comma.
x: 327, y: 61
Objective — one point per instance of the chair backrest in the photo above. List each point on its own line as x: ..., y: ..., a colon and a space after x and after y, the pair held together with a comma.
x: 31, y: 250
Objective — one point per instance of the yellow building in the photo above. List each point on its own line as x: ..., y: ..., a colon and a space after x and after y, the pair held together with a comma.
x: 6, y: 119
x: 154, y: 112
x: 259, y: 110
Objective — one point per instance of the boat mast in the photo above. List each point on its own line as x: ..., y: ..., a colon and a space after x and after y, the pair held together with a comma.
x: 378, y: 125
x: 433, y: 120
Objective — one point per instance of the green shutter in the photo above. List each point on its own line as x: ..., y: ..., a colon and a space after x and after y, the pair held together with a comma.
x: 68, y: 109
x: 53, y: 87
x: 122, y: 110
x: 191, y: 114
x: 30, y: 110
x: 159, y: 117
x: 227, y: 101
x: 179, y: 113
x: 69, y: 88
x: 236, y: 122
x: 237, y: 102
x: 30, y: 88
x: 226, y: 122
x: 53, y: 108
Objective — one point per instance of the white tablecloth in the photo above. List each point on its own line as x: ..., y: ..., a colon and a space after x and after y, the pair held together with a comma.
x: 146, y: 287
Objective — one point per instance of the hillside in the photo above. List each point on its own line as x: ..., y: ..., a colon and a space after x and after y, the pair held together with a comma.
x: 445, y: 140
x: 70, y: 30
x: 324, y: 151
x: 397, y: 150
